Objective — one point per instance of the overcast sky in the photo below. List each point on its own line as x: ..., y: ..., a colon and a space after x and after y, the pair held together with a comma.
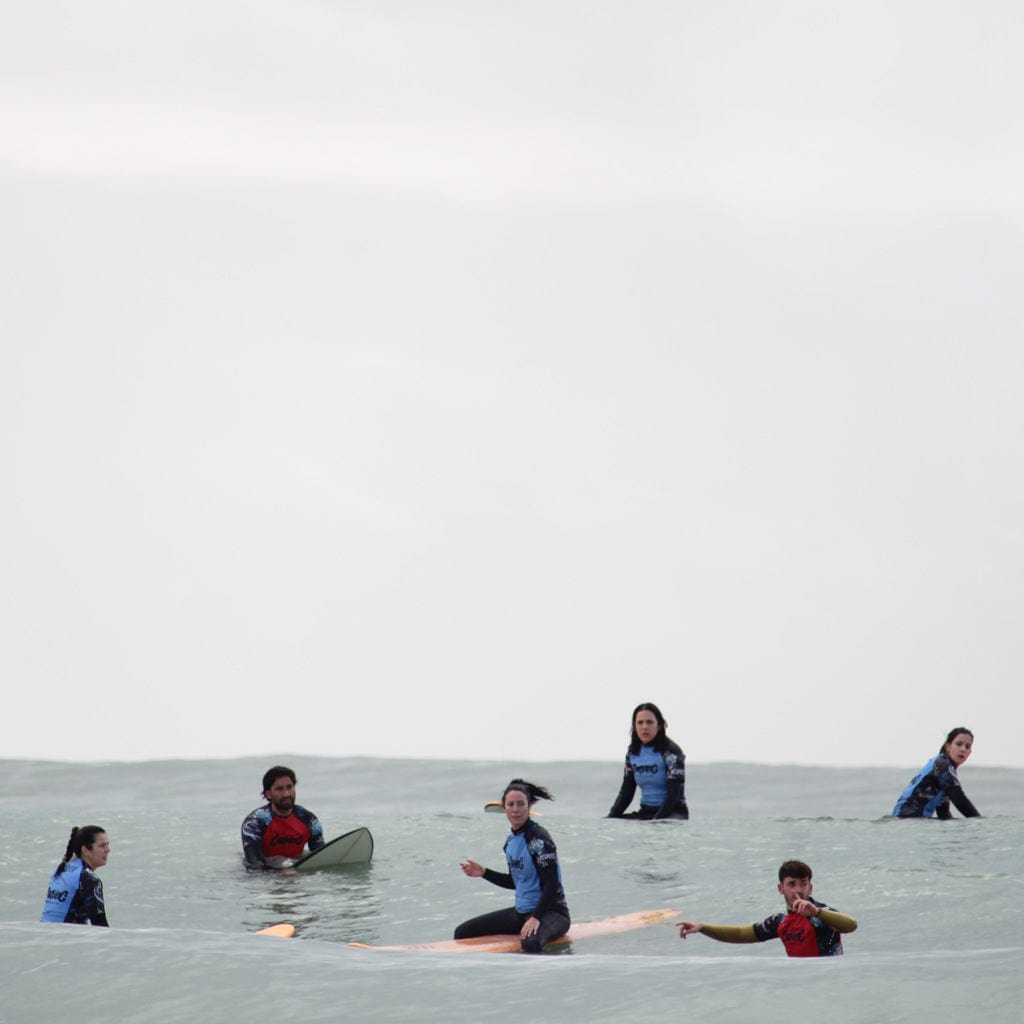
x: 442, y: 380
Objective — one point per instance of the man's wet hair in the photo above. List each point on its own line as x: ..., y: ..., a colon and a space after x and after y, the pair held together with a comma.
x: 271, y: 775
x: 794, y: 869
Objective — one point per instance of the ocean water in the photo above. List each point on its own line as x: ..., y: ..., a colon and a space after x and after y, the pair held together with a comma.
x: 939, y: 903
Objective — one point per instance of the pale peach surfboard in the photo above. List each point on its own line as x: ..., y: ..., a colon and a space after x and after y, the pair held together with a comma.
x: 510, y: 943
x: 282, y: 931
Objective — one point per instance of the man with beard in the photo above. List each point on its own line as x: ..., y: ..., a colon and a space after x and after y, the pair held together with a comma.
x: 275, y: 834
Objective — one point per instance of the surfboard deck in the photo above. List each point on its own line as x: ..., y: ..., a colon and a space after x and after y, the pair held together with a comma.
x: 281, y: 931
x: 510, y: 943
x: 355, y: 847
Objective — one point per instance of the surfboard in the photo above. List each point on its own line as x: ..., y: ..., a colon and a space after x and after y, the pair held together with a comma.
x: 282, y: 931
x: 355, y: 847
x: 497, y: 807
x: 510, y: 943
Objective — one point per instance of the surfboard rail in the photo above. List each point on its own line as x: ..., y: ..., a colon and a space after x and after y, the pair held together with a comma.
x: 354, y: 847
x: 510, y: 943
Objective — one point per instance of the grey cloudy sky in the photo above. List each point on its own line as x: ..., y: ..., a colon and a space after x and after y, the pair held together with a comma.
x: 443, y: 380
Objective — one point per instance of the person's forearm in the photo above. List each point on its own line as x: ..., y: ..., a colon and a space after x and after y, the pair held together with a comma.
x: 622, y: 801
x: 549, y: 885
x: 499, y: 878
x: 729, y: 932
x: 841, y: 923
x: 253, y: 854
x: 963, y: 804
x: 671, y: 800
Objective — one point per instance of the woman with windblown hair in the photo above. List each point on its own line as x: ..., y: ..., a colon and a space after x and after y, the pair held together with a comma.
x: 540, y: 914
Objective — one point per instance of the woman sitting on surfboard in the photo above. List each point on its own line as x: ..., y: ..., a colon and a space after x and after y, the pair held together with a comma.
x: 657, y: 766
x: 931, y: 790
x: 540, y: 913
x: 75, y: 894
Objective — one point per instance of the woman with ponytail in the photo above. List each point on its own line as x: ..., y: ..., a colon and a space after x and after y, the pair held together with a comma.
x: 540, y: 914
x: 75, y: 895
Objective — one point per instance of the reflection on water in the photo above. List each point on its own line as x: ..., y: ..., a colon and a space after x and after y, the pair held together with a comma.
x: 338, y: 904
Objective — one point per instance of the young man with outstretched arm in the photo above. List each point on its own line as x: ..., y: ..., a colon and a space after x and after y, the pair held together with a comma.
x: 808, y: 928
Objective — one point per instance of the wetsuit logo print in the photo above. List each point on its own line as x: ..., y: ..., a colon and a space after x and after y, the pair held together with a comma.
x: 793, y: 932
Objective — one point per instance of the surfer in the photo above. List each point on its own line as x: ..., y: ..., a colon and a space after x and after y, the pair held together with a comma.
x: 657, y: 766
x: 930, y: 792
x: 275, y: 834
x: 540, y: 914
x: 75, y: 893
x: 808, y: 928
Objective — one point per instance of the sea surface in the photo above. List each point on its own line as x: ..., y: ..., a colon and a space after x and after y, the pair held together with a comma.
x: 939, y: 903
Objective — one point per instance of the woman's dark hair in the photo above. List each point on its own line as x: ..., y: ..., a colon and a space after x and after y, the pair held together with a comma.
x: 271, y: 775
x: 84, y: 836
x: 660, y: 742
x: 953, y: 733
x: 528, y: 789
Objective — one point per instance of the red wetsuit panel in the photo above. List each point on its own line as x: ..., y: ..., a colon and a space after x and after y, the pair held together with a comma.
x: 285, y: 837
x: 797, y: 934
x: 802, y: 937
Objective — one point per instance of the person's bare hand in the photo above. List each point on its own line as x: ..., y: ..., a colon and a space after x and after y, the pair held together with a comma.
x: 472, y: 869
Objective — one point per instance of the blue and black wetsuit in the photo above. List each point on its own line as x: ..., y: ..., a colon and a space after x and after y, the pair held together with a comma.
x: 534, y: 873
x: 931, y: 790
x: 75, y: 896
x: 661, y: 776
x: 270, y: 840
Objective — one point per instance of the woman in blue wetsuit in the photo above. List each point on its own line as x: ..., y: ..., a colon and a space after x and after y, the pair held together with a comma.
x: 75, y: 894
x: 540, y: 914
x: 657, y: 766
x: 935, y: 786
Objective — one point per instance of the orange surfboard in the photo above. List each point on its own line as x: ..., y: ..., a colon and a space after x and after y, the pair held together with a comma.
x: 282, y: 931
x: 510, y: 943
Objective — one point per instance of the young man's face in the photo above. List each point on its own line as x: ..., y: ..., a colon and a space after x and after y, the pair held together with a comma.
x: 281, y: 795
x: 793, y: 889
